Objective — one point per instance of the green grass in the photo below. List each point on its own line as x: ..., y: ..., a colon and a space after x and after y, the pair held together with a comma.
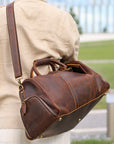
x: 93, y: 142
x: 96, y: 50
x: 101, y: 104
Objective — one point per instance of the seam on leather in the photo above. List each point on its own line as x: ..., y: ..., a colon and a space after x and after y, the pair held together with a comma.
x: 69, y: 87
x: 85, y: 104
x: 91, y: 87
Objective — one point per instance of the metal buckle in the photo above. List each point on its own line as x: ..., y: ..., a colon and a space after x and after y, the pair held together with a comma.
x: 19, y: 82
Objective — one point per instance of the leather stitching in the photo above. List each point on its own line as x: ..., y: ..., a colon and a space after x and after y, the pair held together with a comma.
x: 85, y: 104
x: 76, y: 103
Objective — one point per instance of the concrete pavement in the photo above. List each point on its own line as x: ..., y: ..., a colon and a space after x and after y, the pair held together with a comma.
x: 99, y: 61
x: 96, y: 37
x: 94, y: 125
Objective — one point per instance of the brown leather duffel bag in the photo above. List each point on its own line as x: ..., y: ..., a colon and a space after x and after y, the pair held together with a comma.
x: 56, y: 102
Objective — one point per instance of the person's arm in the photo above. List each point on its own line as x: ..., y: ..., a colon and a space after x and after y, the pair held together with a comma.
x: 70, y: 34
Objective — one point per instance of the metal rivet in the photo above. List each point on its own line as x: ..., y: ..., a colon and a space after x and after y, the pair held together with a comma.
x: 41, y: 136
x: 60, y: 119
x: 79, y: 120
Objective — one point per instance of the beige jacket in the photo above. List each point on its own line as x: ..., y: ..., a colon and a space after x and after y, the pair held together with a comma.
x: 43, y: 31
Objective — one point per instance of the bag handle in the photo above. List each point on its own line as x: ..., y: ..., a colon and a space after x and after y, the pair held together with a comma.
x: 46, y: 61
x: 13, y: 40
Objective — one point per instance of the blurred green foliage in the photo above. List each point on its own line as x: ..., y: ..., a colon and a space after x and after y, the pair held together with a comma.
x: 76, y: 20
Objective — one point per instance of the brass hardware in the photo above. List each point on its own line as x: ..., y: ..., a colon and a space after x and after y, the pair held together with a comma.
x: 60, y: 119
x: 19, y: 82
x: 79, y: 120
x: 19, y: 78
x: 22, y: 92
x: 41, y: 136
x: 20, y: 86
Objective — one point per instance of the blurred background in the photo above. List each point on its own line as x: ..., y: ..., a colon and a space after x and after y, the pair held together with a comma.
x: 95, y: 20
x: 93, y: 16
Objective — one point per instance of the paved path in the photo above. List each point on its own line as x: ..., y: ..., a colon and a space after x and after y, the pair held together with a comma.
x: 94, y: 125
x: 99, y: 61
x: 96, y: 37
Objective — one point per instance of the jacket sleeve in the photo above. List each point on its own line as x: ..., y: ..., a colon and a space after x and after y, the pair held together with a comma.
x: 70, y: 35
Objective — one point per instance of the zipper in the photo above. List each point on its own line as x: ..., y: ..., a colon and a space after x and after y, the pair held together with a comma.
x: 49, y: 109
x: 42, y: 101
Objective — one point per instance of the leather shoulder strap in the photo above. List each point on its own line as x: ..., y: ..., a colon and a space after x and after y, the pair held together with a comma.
x: 13, y: 40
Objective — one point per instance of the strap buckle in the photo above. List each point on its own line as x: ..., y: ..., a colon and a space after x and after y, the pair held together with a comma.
x: 19, y: 79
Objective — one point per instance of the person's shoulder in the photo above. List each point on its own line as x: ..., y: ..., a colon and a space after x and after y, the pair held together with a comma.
x: 64, y: 16
x: 41, y: 6
x: 2, y: 10
x: 58, y: 13
x: 2, y: 7
x: 57, y: 10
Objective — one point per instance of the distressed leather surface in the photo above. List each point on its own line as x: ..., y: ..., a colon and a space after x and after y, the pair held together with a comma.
x: 69, y: 95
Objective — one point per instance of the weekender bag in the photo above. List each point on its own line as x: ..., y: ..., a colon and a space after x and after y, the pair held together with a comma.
x: 56, y: 102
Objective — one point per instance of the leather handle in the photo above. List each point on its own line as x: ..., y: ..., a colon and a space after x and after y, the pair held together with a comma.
x: 13, y: 40
x: 45, y: 61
